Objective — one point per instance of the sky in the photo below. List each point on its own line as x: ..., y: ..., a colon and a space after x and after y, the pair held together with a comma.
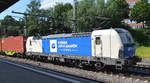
x: 50, y: 3
x: 21, y: 6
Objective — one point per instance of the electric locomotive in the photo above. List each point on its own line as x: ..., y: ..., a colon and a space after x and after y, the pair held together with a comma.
x: 100, y: 48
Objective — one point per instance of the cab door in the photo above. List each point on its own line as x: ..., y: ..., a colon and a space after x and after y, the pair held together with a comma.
x: 98, y: 46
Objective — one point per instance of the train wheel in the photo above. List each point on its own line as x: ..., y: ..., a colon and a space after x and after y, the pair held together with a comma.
x: 79, y: 64
x: 99, y: 66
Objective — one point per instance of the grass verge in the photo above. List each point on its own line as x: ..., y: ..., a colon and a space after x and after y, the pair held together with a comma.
x: 143, y: 52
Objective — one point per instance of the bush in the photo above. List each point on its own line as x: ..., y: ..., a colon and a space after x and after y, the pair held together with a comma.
x: 140, y: 36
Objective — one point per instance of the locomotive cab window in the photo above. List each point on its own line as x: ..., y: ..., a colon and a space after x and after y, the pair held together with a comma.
x: 98, y: 41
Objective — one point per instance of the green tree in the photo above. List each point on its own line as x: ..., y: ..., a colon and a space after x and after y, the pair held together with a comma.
x: 44, y: 22
x: 31, y: 20
x: 85, y: 13
x: 37, y: 20
x: 10, y: 26
x: 61, y: 22
x: 91, y: 14
x: 117, y: 10
x: 141, y: 12
x: 9, y: 20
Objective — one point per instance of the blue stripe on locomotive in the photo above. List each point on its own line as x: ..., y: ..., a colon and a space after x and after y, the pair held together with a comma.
x: 79, y: 46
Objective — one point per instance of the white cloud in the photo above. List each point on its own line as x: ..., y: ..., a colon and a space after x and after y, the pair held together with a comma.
x: 45, y: 4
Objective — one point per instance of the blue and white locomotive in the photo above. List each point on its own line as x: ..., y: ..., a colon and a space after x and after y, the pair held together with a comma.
x: 108, y: 47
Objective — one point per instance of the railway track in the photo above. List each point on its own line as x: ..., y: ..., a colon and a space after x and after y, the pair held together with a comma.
x: 146, y: 65
x: 104, y: 76
x: 138, y: 70
x: 141, y: 68
x: 50, y: 73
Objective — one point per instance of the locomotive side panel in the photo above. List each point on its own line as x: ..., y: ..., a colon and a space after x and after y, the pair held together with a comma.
x: 79, y: 46
x: 33, y: 45
x: 110, y: 43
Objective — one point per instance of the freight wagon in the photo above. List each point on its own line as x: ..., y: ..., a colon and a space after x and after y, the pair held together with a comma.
x: 110, y: 47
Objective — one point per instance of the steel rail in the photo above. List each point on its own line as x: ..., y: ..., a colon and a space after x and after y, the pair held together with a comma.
x: 139, y: 70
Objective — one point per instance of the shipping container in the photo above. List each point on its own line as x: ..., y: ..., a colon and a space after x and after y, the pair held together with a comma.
x: 79, y: 46
x: 14, y: 44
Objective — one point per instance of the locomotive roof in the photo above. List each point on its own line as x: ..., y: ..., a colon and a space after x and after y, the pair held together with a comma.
x: 67, y: 35
x: 76, y: 34
x: 120, y: 30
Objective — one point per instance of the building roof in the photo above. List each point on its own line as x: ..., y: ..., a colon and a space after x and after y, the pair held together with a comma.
x: 136, y: 24
x: 4, y: 4
x: 132, y: 0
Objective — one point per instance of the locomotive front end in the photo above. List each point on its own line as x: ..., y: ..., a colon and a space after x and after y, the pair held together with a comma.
x: 127, y: 52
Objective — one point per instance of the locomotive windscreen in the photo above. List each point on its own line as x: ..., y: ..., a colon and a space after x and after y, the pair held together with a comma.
x: 125, y: 36
x: 128, y: 43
